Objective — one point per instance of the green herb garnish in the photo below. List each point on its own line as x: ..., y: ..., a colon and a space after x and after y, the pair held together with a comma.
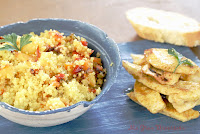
x: 179, y: 56
x: 12, y: 39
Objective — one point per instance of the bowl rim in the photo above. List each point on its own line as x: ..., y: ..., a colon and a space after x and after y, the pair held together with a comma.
x: 68, y: 108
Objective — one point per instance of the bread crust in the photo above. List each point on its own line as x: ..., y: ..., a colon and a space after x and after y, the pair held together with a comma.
x: 192, y: 39
x: 172, y: 36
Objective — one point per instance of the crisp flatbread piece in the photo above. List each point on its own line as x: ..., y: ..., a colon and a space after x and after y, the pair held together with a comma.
x: 171, y: 112
x: 159, y: 58
x: 183, y: 95
x: 163, y: 77
x: 148, y: 98
x: 138, y: 59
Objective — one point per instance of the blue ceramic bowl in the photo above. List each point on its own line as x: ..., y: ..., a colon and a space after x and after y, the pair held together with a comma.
x: 97, y: 40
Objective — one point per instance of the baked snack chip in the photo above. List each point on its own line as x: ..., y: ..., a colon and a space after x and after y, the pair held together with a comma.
x: 165, y: 83
x: 183, y: 95
x: 170, y: 111
x: 148, y: 98
x: 160, y: 59
x: 184, y: 116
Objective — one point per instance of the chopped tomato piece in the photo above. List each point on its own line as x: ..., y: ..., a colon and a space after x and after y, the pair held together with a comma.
x: 92, y: 90
x: 42, y: 105
x: 48, y: 95
x: 74, y: 52
x: 84, y: 43
x: 50, y: 33
x: 60, y: 77
x: 77, y: 69
x: 68, y: 65
x: 1, y: 37
x: 79, y: 58
x: 99, y: 68
x: 84, y: 76
x: 97, y: 60
x: 59, y: 44
x: 65, y: 103
x: 38, y: 53
x: 56, y: 84
x: 91, y: 52
x: 86, y: 65
x: 58, y: 36
x: 2, y: 91
x: 34, y: 71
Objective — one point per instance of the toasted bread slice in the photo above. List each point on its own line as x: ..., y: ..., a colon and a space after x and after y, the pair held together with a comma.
x: 193, y: 77
x: 161, y: 76
x: 173, y: 113
x: 187, y: 99
x: 163, y: 26
x: 182, y: 105
x: 136, y: 71
x: 148, y: 98
x: 170, y: 111
x: 138, y: 59
x: 159, y: 58
x: 181, y: 94
x: 132, y: 69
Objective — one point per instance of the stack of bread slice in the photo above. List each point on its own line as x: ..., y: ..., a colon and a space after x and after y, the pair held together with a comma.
x: 160, y: 89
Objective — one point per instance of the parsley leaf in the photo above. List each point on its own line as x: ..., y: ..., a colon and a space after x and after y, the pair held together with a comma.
x: 25, y: 40
x: 179, y: 56
x: 12, y: 40
x: 7, y: 47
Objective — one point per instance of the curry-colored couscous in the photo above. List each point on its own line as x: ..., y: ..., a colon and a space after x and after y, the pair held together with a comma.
x: 50, y: 72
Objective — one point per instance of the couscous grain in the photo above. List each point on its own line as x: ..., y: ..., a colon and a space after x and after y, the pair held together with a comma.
x: 53, y: 71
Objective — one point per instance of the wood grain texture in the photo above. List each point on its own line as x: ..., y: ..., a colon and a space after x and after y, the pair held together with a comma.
x: 109, y: 15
